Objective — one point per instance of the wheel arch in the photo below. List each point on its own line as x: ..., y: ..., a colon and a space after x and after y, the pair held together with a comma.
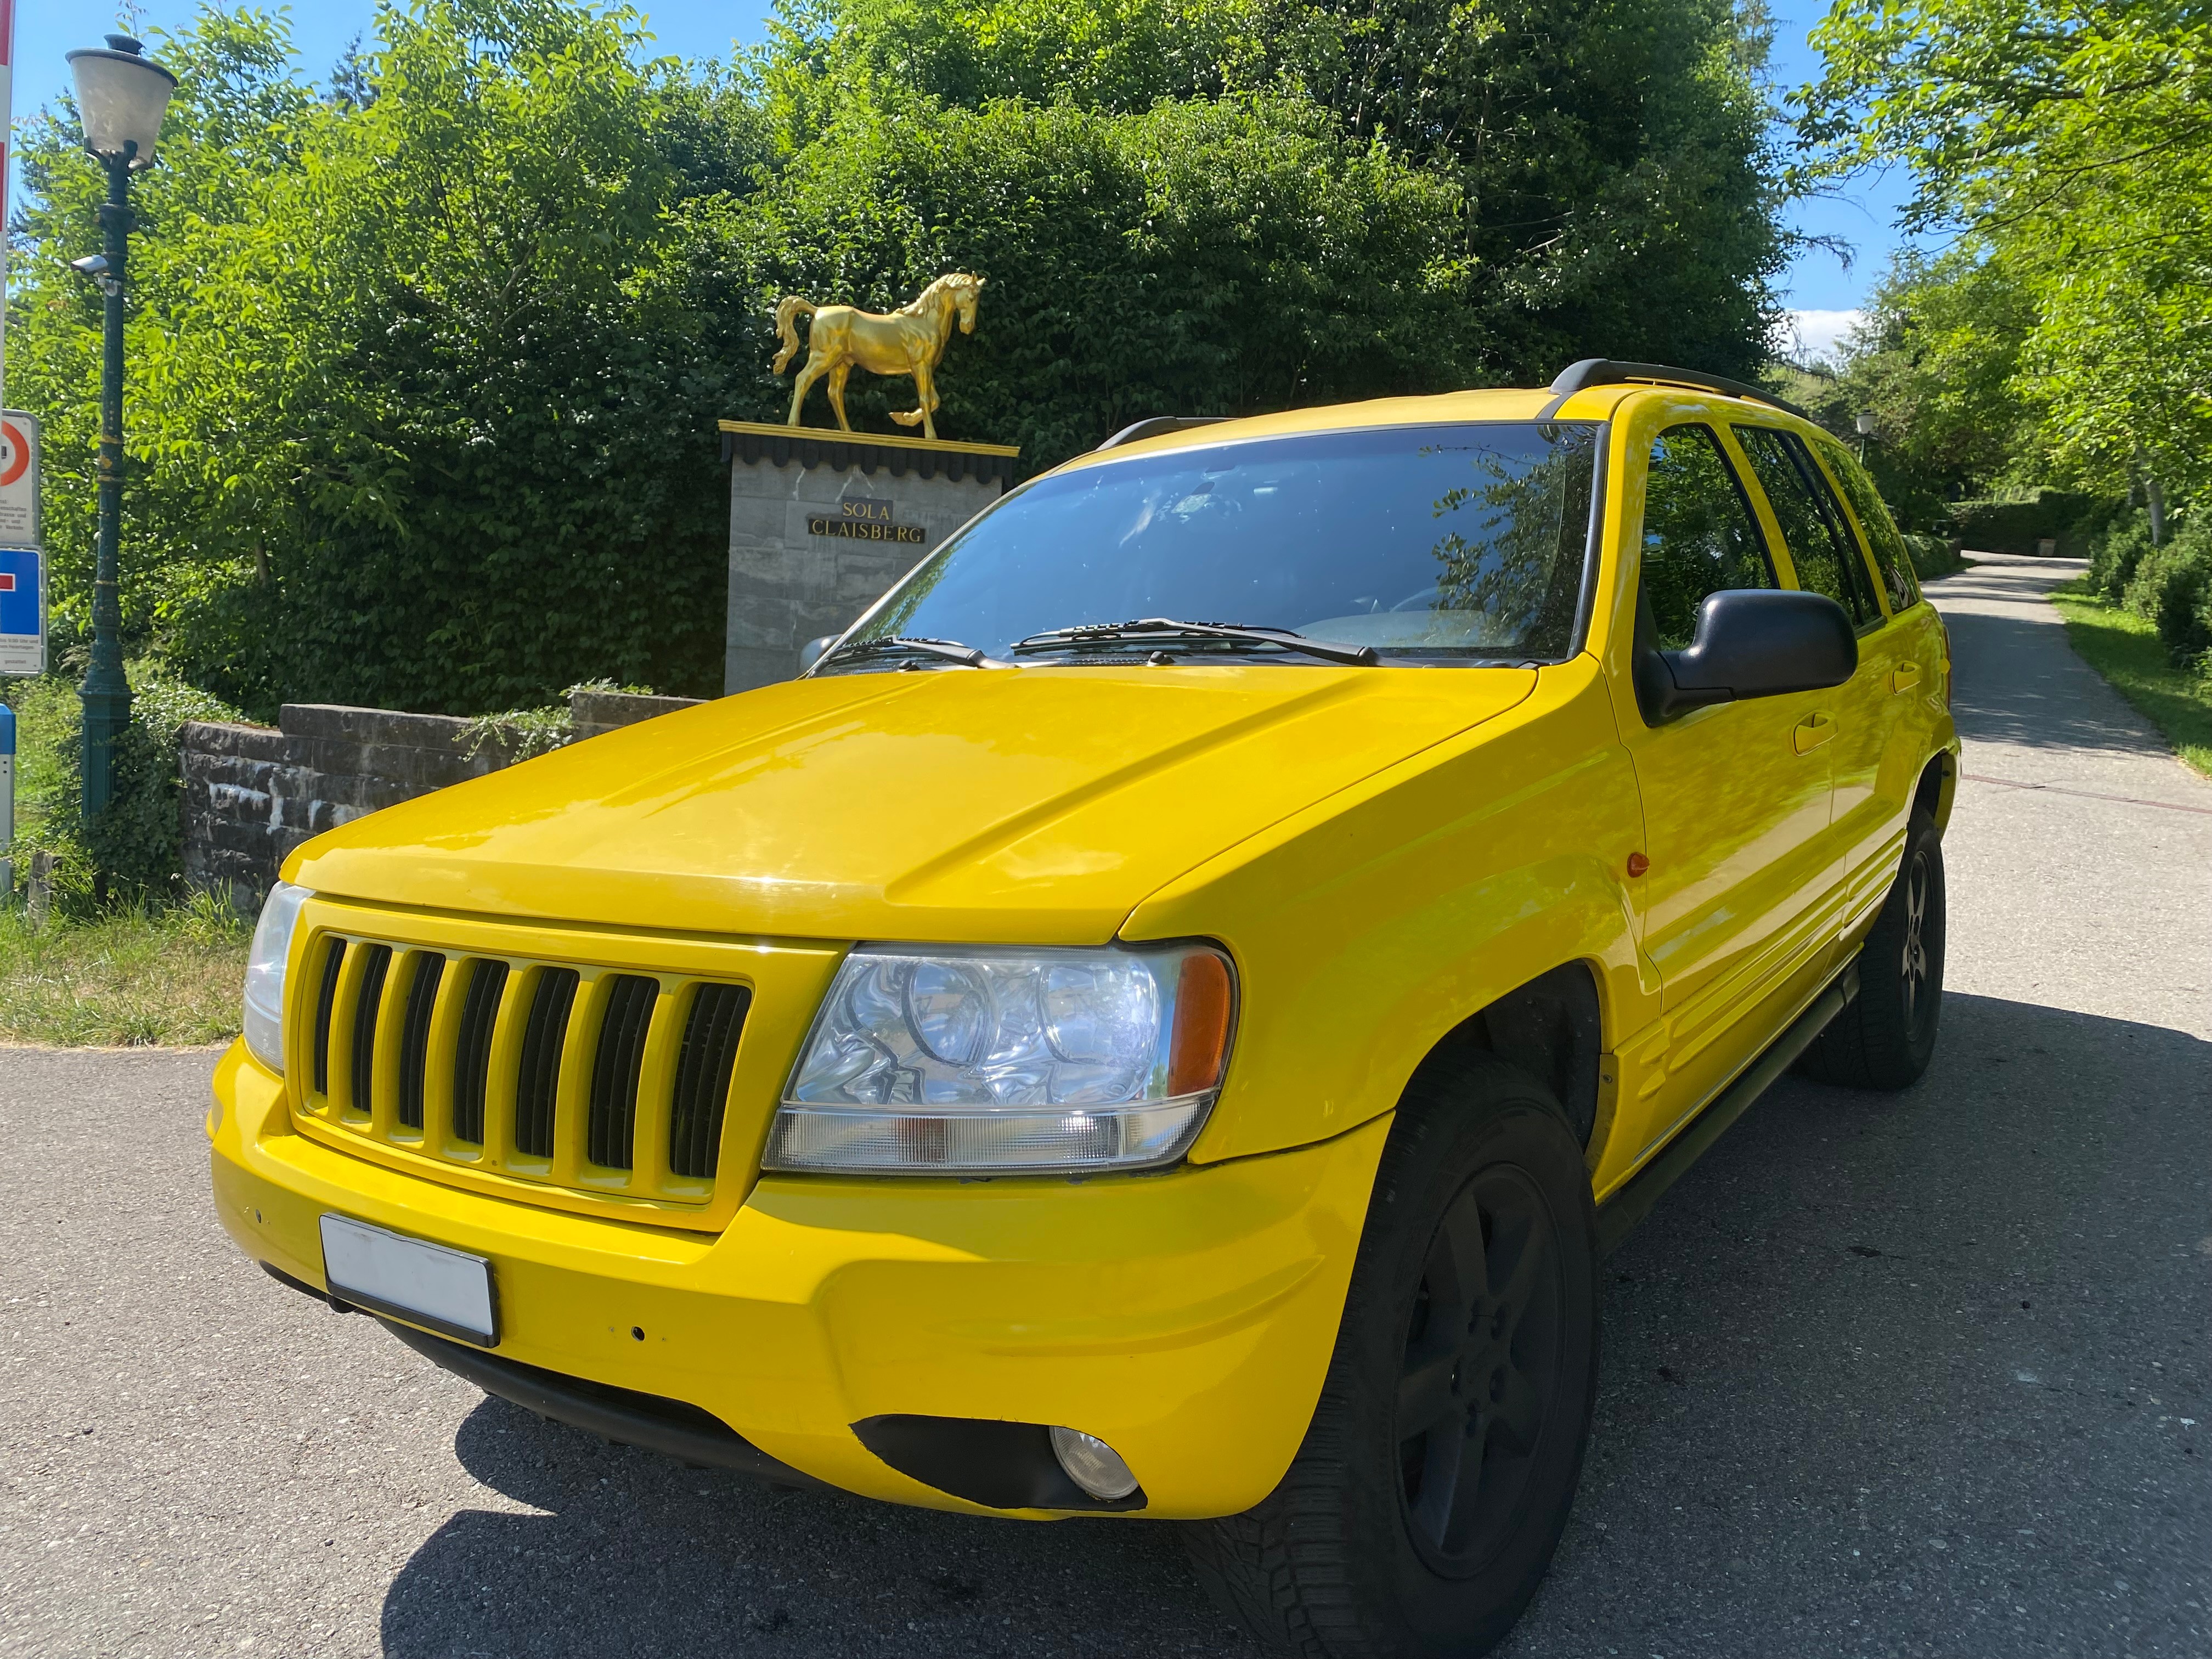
x: 1552, y: 1027
x: 1938, y: 785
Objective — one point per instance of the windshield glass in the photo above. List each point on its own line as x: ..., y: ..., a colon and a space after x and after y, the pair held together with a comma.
x: 1434, y: 544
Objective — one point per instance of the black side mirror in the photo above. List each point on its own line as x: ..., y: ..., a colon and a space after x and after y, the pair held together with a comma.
x: 811, y: 653
x: 1750, y: 642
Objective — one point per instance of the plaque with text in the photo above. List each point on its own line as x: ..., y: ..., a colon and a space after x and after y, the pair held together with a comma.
x: 865, y: 518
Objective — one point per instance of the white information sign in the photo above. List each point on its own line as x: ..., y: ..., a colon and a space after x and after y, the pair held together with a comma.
x: 19, y: 479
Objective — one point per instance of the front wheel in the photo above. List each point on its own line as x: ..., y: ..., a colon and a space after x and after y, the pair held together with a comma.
x: 1422, y: 1508
x: 1885, y: 1035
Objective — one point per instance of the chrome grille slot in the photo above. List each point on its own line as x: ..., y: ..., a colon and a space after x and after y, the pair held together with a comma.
x: 326, y: 998
x: 369, y: 1002
x: 615, y: 1069
x: 538, y: 1079
x: 414, y: 1036
x: 472, y: 1048
x: 710, y: 1054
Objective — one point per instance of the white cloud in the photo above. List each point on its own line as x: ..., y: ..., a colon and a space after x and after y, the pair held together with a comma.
x: 1812, y: 337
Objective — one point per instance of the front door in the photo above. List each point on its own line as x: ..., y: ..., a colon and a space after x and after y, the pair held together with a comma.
x: 1736, y: 797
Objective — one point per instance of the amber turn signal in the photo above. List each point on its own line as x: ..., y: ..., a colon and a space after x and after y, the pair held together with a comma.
x: 1637, y: 864
x: 1201, y: 1040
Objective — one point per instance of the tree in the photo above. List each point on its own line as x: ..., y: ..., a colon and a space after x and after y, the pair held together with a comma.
x: 1620, y: 198
x: 1938, y: 365
x: 425, y: 377
x: 2073, y: 144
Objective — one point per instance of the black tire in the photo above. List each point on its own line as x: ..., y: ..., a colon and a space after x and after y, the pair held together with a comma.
x: 1374, y: 1544
x: 1885, y: 1035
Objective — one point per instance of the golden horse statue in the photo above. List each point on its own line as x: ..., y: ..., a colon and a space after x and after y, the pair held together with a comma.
x: 909, y: 341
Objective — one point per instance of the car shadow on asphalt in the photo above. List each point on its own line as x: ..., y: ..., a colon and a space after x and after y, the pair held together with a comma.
x: 1920, y: 1372
x: 632, y: 1553
x: 1871, y: 1360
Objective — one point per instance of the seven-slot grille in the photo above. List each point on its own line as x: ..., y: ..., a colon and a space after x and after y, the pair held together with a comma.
x: 586, y: 1078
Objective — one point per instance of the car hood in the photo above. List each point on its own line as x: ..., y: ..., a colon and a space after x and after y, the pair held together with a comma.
x: 1037, y: 805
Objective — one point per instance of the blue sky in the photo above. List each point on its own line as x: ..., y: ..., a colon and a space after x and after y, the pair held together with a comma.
x: 1818, y: 285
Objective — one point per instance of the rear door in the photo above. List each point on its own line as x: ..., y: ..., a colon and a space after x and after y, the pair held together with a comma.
x: 1825, y: 557
x: 1904, y: 661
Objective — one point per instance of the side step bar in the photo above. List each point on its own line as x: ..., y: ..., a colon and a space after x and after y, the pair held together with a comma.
x: 1620, y: 1216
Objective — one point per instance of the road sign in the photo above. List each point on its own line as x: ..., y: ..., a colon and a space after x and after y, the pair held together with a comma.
x: 23, y: 611
x: 19, y: 479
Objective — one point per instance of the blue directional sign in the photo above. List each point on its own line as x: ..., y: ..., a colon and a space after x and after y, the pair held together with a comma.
x: 23, y: 611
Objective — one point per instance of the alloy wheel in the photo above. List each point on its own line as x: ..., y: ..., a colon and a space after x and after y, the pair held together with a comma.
x: 1914, y: 975
x: 1480, y: 1371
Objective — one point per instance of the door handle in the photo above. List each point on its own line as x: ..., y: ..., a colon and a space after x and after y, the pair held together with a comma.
x: 1905, y: 676
x: 1811, y: 731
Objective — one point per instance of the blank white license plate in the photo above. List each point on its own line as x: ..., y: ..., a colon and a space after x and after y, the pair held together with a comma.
x: 426, y: 1285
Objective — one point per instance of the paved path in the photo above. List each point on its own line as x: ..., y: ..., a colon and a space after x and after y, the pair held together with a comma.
x: 1924, y: 1374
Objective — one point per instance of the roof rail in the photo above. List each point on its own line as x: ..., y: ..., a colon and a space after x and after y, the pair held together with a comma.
x: 1158, y: 427
x: 1603, y: 370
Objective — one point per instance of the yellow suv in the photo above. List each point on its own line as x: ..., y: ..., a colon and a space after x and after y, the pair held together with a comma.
x: 1164, y: 1016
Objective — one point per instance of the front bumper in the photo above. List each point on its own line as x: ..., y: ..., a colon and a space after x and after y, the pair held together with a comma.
x: 1184, y: 1317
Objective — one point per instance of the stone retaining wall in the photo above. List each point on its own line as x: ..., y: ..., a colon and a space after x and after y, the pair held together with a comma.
x: 252, y: 793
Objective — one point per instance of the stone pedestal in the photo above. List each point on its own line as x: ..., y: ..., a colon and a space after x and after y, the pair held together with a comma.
x: 823, y: 522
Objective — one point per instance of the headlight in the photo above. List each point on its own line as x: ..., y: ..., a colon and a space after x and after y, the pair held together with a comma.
x: 951, y: 1060
x: 264, y: 973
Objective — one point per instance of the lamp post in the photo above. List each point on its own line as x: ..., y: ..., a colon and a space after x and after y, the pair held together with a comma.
x: 1866, y: 431
x: 121, y: 97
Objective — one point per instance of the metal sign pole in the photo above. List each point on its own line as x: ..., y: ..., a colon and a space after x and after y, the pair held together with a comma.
x: 7, y: 803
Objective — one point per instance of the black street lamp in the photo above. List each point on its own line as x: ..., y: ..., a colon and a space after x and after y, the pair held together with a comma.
x: 121, y: 97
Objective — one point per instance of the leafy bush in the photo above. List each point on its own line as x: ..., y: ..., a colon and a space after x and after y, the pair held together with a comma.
x: 2116, y: 553
x: 132, y: 854
x: 137, y: 843
x: 2172, y: 588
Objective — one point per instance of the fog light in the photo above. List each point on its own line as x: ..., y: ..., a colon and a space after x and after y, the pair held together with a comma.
x: 1092, y: 1464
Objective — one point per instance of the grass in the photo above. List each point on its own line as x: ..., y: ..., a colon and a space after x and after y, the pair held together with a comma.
x: 124, y: 979
x: 2126, y: 650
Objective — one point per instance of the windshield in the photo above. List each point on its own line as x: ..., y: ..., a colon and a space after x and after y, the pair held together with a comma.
x: 1437, y: 544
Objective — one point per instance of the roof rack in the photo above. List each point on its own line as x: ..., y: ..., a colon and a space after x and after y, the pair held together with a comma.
x: 1158, y: 427
x: 1603, y: 370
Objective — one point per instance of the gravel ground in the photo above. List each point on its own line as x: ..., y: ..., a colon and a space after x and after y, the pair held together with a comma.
x: 1922, y: 1373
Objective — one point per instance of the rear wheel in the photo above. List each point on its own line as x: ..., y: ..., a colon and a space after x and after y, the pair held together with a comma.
x: 1885, y: 1035
x: 1422, y: 1509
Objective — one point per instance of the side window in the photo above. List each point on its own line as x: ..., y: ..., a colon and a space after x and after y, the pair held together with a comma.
x: 1821, y: 545
x: 1699, y: 536
x: 1889, y: 551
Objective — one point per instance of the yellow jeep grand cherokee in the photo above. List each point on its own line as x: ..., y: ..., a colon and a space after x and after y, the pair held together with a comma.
x: 1165, y: 1015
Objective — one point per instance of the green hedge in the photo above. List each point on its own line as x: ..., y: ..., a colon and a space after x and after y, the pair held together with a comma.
x: 2071, y: 518
x: 1932, y: 557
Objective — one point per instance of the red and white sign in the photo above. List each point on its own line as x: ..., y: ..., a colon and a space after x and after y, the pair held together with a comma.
x: 19, y: 476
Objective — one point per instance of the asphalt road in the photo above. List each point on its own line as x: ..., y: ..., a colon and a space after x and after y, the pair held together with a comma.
x: 1921, y: 1374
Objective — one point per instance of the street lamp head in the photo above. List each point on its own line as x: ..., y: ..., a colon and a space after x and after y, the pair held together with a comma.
x: 1866, y: 426
x: 121, y: 97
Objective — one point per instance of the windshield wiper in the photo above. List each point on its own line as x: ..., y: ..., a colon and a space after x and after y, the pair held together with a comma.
x: 1359, y: 656
x: 951, y: 650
